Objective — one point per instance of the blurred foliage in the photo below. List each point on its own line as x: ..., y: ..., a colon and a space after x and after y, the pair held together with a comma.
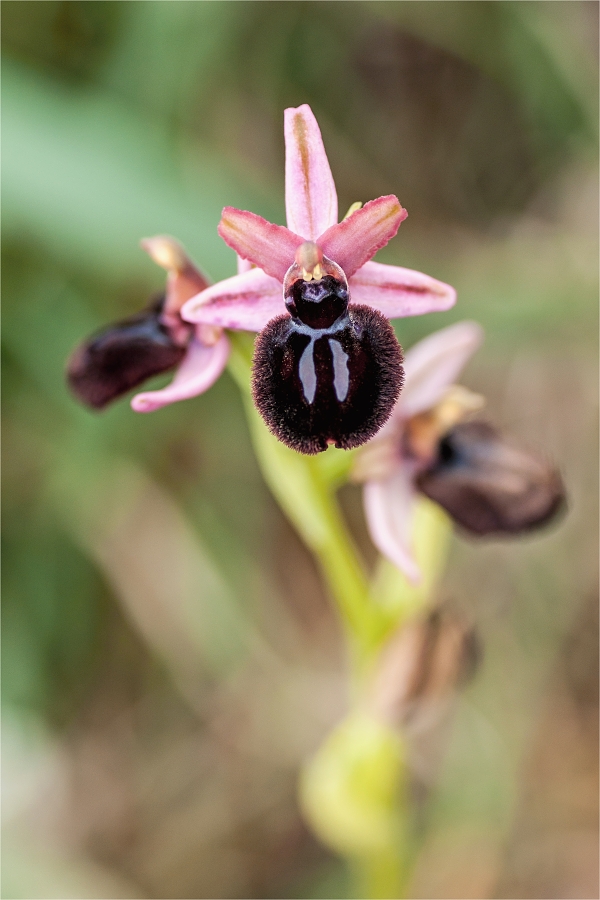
x: 138, y: 671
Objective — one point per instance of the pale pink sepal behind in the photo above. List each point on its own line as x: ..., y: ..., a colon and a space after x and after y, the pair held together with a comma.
x: 432, y: 365
x: 389, y: 509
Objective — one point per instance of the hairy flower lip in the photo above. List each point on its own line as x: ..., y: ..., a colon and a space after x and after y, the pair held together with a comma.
x: 313, y: 385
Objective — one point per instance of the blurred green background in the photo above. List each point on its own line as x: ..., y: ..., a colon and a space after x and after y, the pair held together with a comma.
x: 169, y: 656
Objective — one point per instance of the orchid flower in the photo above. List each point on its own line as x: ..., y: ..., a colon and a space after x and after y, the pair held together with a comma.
x: 126, y: 353
x: 340, y: 387
x: 388, y: 464
x: 488, y: 485
x: 208, y: 349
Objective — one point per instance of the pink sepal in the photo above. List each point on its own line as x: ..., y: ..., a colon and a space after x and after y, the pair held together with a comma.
x: 270, y: 247
x: 389, y: 509
x: 244, y: 302
x: 432, y: 365
x: 199, y: 370
x: 398, y: 292
x: 310, y: 196
x: 354, y: 241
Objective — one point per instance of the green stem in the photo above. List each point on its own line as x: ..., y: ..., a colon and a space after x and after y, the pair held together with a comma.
x: 382, y: 876
x: 304, y: 488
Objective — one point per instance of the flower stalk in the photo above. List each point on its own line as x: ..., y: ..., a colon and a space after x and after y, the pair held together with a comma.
x: 304, y: 488
x: 354, y: 790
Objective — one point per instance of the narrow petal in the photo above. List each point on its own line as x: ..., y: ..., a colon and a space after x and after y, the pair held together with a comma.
x: 183, y: 281
x: 244, y: 302
x: 243, y: 265
x: 398, y: 292
x: 270, y: 247
x: 310, y: 197
x: 435, y: 363
x: 354, y: 241
x: 389, y: 509
x: 199, y: 370
x: 165, y: 251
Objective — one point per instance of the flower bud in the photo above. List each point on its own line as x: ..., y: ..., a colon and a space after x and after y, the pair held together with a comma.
x: 488, y: 485
x: 422, y: 666
x: 122, y: 356
x: 351, y: 789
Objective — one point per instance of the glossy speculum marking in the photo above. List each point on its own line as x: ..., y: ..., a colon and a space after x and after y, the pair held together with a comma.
x: 330, y: 372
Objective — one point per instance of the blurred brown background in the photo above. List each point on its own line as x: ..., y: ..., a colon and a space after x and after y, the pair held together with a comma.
x: 169, y: 656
